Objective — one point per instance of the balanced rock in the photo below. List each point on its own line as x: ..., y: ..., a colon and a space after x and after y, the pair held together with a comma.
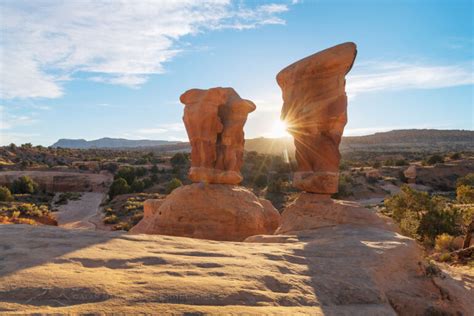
x: 214, y: 121
x: 210, y: 211
x: 315, y: 109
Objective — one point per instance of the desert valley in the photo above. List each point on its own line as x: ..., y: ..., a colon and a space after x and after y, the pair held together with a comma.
x: 251, y: 167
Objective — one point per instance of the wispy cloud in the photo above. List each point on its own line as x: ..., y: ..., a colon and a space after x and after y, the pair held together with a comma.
x: 9, y: 120
x: 376, y: 76
x: 162, y: 128
x: 117, y: 42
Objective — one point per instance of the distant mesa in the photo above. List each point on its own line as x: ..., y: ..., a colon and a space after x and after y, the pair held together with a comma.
x: 107, y: 142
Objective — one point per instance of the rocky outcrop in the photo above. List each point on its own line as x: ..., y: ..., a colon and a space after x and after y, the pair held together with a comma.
x: 410, y: 174
x: 315, y: 110
x: 214, y: 121
x: 340, y: 270
x: 313, y: 211
x: 213, y: 211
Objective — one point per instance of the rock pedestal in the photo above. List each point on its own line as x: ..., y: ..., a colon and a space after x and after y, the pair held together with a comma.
x: 315, y: 110
x: 313, y: 211
x: 209, y: 211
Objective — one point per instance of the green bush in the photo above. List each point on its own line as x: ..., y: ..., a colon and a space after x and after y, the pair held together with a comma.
x: 434, y: 159
x: 127, y: 173
x: 261, y: 180
x: 119, y: 186
x: 173, y: 184
x: 112, y: 219
x: 179, y: 159
x: 444, y: 242
x: 137, y: 186
x: 423, y: 217
x: 465, y: 194
x: 466, y: 180
x: 5, y: 194
x: 24, y: 185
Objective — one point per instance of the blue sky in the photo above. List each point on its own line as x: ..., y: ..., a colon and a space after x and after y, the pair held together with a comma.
x: 90, y: 69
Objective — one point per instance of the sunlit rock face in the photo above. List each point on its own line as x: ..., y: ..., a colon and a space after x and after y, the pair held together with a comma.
x: 315, y: 110
x: 214, y: 121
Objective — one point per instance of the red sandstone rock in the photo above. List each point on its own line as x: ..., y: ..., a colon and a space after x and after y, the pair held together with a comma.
x: 214, y: 121
x: 315, y: 109
x: 210, y: 211
x: 312, y: 211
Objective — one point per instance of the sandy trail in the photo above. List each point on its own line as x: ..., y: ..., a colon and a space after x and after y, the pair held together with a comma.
x: 79, y: 213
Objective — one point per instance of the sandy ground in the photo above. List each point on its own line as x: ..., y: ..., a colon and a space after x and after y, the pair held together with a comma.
x: 80, y: 213
x: 55, y: 270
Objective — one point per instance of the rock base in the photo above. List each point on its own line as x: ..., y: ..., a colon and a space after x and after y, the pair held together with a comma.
x: 311, y: 211
x: 316, y: 182
x: 211, y: 175
x: 209, y: 211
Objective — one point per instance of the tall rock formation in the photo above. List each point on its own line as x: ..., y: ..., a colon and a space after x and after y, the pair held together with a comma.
x: 214, y: 121
x: 315, y: 109
x: 213, y: 207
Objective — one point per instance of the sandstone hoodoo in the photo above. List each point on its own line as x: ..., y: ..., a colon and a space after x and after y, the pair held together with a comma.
x: 214, y: 207
x: 214, y: 121
x: 315, y: 109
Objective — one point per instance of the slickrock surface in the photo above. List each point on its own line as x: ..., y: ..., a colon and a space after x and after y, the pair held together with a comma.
x: 214, y: 121
x: 209, y: 211
x: 80, y: 213
x: 342, y: 270
x: 311, y: 211
x: 315, y: 109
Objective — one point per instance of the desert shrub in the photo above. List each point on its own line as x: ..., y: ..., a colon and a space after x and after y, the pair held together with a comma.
x: 455, y: 156
x: 376, y: 165
x: 5, y: 194
x: 179, y: 159
x: 112, y: 219
x: 137, y: 186
x: 140, y: 171
x: 344, y: 187
x: 119, y: 186
x: 66, y: 196
x: 434, y: 159
x: 444, y: 242
x: 409, y: 225
x: 445, y: 257
x: 127, y: 173
x: 466, y: 180
x: 111, y: 167
x: 401, y: 162
x: 24, y: 185
x: 173, y: 184
x: 465, y: 194
x: 154, y: 169
x: 423, y: 217
x: 123, y: 226
x: 275, y: 186
x: 261, y: 180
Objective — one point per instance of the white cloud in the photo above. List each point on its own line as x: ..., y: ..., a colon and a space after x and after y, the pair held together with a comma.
x: 162, y: 128
x: 376, y: 76
x: 9, y: 121
x: 118, y: 42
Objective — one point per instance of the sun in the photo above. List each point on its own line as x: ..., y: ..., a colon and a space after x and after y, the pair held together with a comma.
x: 279, y: 129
